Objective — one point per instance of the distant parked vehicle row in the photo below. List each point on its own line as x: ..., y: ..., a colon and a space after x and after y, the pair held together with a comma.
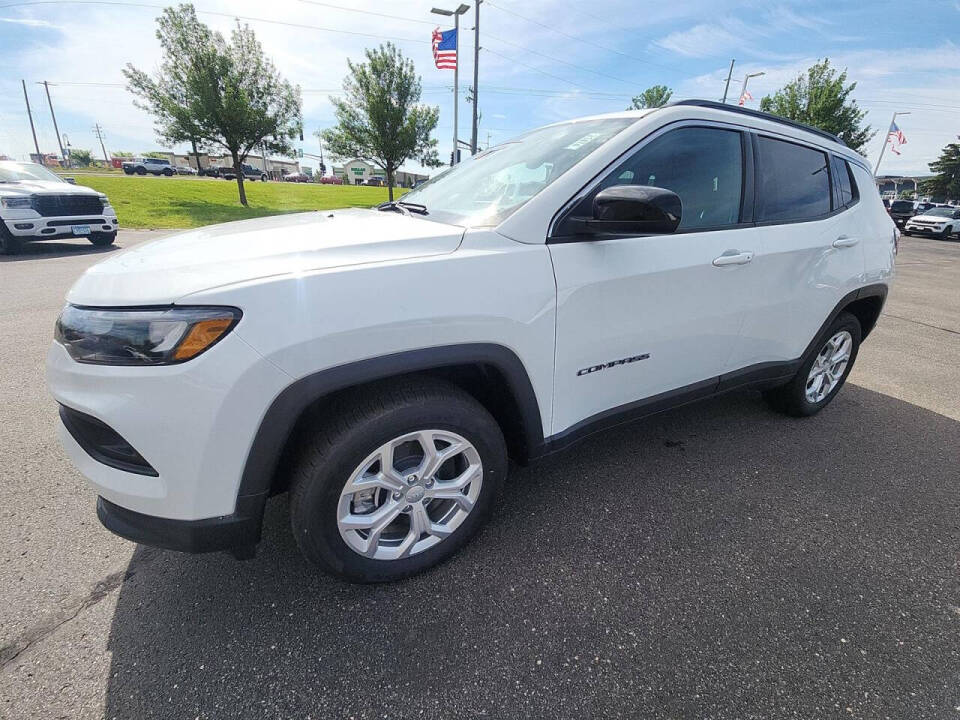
x: 185, y: 170
x: 154, y: 166
x: 941, y: 222
x: 249, y: 173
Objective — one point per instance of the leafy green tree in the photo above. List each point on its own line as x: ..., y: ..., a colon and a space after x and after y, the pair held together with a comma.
x: 653, y: 97
x: 121, y: 154
x: 379, y: 119
x: 945, y: 185
x: 214, y: 92
x: 81, y: 158
x: 821, y: 97
x: 154, y: 154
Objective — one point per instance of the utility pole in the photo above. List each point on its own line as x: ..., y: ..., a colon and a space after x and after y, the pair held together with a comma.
x: 98, y: 131
x: 886, y: 140
x: 46, y: 87
x: 456, y: 72
x: 726, y: 88
x: 30, y: 115
x: 476, y: 63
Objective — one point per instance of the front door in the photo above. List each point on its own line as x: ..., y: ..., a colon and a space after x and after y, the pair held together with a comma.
x: 646, y: 315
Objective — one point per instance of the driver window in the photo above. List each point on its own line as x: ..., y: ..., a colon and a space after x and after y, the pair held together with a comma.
x: 704, y: 166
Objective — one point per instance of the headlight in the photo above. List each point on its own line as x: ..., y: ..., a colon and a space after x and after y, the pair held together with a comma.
x: 104, y: 201
x: 162, y: 336
x: 17, y: 202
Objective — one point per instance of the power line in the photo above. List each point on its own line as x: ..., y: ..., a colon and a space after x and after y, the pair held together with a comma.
x: 531, y: 67
x: 248, y: 18
x: 368, y: 12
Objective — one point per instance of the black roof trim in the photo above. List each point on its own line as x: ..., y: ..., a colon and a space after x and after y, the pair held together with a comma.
x: 714, y: 105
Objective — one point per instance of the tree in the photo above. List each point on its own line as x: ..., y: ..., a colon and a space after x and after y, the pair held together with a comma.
x: 653, y: 97
x: 121, y: 154
x: 946, y: 183
x: 821, y: 97
x: 379, y: 119
x: 212, y: 92
x: 81, y: 158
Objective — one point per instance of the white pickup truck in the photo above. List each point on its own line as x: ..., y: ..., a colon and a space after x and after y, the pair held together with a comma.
x: 35, y: 204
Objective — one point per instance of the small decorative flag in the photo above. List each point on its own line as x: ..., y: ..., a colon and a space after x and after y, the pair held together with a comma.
x: 445, y: 49
x: 896, y: 138
x: 744, y: 97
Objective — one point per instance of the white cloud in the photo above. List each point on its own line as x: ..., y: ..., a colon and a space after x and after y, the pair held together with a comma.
x: 29, y: 22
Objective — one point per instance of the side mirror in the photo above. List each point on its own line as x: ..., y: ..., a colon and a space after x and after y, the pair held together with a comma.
x: 72, y: 181
x: 636, y: 208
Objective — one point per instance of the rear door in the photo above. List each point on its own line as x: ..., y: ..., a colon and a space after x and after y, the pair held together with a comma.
x: 808, y: 217
x: 643, y: 315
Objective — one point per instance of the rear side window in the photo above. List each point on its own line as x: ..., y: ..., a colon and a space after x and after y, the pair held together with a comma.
x: 793, y: 182
x: 847, y: 193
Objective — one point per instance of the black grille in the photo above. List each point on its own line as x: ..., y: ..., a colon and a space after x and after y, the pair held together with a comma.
x: 67, y: 223
x: 60, y: 205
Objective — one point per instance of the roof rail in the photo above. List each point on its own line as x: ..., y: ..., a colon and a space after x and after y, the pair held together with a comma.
x: 714, y: 105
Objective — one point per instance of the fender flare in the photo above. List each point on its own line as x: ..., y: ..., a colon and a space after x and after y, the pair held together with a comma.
x: 286, y: 409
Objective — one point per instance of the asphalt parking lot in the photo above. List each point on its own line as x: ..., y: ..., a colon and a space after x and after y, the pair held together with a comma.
x: 716, y: 561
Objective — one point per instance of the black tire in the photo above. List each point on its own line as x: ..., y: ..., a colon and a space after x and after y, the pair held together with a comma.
x: 102, y: 239
x: 263, y: 178
x: 791, y: 398
x: 128, y: 171
x: 9, y: 243
x: 141, y: 171
x: 353, y: 427
x: 944, y: 234
x: 168, y: 172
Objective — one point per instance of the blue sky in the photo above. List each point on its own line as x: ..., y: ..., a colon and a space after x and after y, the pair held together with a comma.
x: 541, y: 60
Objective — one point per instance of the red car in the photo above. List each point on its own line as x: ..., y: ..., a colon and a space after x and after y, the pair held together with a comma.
x: 331, y: 180
x: 296, y: 177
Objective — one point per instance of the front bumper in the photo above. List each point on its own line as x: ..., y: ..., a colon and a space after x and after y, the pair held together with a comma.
x: 922, y: 229
x: 191, y: 427
x: 229, y: 532
x: 27, y: 224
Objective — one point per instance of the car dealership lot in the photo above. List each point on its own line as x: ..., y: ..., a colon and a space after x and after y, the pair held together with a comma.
x: 715, y: 561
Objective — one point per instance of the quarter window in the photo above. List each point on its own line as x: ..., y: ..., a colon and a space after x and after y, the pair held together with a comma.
x: 847, y: 193
x: 793, y: 182
x: 704, y: 166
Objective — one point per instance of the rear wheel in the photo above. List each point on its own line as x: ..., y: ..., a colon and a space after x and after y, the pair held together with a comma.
x: 168, y: 172
x: 141, y: 171
x: 396, y: 480
x: 103, y: 239
x: 823, y: 372
x: 263, y: 178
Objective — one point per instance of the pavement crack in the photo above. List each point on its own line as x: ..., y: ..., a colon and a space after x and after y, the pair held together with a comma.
x: 920, y: 322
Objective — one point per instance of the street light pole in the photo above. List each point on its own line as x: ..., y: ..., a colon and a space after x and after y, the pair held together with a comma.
x: 886, y: 140
x: 46, y: 87
x: 743, y: 90
x: 456, y: 70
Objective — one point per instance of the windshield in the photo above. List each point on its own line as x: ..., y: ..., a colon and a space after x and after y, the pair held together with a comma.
x: 940, y: 212
x: 17, y: 172
x: 487, y: 188
x: 902, y: 206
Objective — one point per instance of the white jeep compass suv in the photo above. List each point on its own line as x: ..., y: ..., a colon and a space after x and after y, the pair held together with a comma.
x: 383, y: 364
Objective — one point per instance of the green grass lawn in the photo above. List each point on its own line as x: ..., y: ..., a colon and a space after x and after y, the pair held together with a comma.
x: 147, y: 202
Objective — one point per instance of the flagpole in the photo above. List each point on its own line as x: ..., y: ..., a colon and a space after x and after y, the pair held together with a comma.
x: 456, y: 86
x: 886, y: 140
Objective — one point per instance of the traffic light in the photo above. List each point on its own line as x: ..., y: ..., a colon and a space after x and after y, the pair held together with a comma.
x: 451, y: 157
x: 323, y: 169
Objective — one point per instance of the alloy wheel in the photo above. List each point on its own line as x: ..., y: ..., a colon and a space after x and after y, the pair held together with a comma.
x: 829, y: 366
x: 409, y: 494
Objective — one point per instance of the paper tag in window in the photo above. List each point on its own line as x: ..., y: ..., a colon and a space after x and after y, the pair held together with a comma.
x: 588, y: 138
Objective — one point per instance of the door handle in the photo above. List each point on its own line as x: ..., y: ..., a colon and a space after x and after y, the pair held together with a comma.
x: 733, y: 257
x: 845, y: 241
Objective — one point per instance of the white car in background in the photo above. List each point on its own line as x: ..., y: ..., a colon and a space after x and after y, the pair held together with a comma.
x: 35, y: 204
x: 941, y: 222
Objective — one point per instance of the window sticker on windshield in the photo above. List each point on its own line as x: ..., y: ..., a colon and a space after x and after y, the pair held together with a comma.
x: 588, y: 138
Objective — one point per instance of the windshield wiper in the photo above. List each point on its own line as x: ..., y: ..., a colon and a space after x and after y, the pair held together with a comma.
x: 404, y: 207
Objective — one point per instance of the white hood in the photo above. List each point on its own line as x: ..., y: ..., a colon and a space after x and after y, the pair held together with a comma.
x: 165, y: 270
x: 43, y: 187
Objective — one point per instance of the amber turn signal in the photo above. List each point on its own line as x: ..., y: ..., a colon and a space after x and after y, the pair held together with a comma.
x: 201, y: 336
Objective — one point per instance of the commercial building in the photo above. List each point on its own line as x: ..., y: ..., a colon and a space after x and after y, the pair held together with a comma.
x: 360, y: 172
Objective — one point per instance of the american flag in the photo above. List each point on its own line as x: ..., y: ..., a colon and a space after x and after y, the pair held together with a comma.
x: 744, y: 96
x: 896, y: 138
x: 445, y: 49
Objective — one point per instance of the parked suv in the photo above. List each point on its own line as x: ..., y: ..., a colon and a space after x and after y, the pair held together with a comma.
x: 35, y: 204
x: 154, y: 166
x: 941, y: 222
x: 383, y: 364
x: 900, y: 211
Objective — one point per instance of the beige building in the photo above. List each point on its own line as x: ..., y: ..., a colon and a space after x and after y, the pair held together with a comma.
x: 360, y: 172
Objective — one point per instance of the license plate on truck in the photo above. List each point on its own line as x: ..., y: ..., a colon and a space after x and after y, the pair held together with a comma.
x: 80, y: 229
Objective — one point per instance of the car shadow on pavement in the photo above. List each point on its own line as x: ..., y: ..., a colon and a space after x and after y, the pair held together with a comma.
x: 715, y: 561
x: 53, y: 249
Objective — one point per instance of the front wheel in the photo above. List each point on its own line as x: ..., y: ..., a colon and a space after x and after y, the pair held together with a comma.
x: 103, y: 239
x: 395, y: 480
x: 823, y: 372
x: 10, y: 244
